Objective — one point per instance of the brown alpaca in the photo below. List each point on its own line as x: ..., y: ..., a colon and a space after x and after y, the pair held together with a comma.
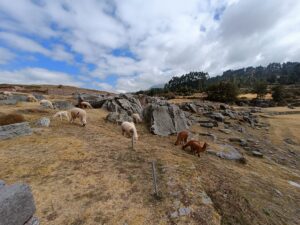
x: 182, y: 137
x: 195, y: 147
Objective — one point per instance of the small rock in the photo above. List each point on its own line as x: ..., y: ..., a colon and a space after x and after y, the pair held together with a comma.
x: 205, y: 198
x: 33, y: 221
x: 236, y: 139
x: 184, y: 211
x: 294, y: 184
x: 207, y: 125
x: 226, y: 131
x: 2, y: 183
x: 43, y: 122
x: 257, y: 154
x: 278, y: 192
x: 289, y: 141
x: 174, y: 214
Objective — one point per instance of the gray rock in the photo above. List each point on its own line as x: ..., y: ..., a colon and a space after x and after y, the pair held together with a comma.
x: 115, y: 117
x: 229, y: 113
x: 33, y: 221
x: 174, y: 215
x: 15, y: 130
x: 43, y: 122
x: 2, y: 184
x: 216, y: 116
x: 226, y: 131
x: 165, y: 119
x: 207, y: 125
x: 257, y: 154
x: 224, y: 106
x: 184, y: 211
x: 236, y: 139
x: 63, y: 105
x: 16, y: 204
x: 190, y: 107
x: 205, y: 198
x: 290, y: 141
x: 124, y: 103
x: 228, y: 152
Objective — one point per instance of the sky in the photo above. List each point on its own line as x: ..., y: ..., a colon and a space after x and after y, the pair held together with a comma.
x: 130, y: 45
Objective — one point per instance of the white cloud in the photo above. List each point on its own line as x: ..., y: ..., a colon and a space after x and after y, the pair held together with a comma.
x: 37, y: 76
x: 167, y: 37
x: 6, y: 55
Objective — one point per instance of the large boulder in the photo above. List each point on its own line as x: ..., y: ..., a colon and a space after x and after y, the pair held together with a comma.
x: 123, y: 103
x: 15, y: 130
x: 116, y: 117
x: 16, y: 204
x: 13, y: 98
x: 165, y: 119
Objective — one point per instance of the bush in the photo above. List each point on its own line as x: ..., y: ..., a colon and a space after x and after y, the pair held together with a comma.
x: 278, y: 94
x: 222, y: 92
x: 11, y: 118
x: 260, y: 88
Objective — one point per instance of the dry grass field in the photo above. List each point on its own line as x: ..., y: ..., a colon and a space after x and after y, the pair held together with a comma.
x: 90, y: 175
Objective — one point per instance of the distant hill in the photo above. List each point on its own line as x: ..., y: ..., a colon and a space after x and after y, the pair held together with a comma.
x: 48, y: 89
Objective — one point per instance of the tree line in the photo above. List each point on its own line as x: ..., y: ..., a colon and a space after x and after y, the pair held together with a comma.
x: 249, y: 79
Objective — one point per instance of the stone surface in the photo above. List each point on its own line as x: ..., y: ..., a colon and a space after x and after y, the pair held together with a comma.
x: 184, y: 211
x: 174, y: 214
x: 43, y: 122
x: 227, y: 152
x: 165, y: 119
x: 207, y: 125
x: 290, y: 141
x: 16, y: 204
x: 257, y: 154
x: 15, y: 130
x: 226, y: 131
x: 205, y: 198
x: 2, y: 184
x: 33, y: 221
x: 115, y: 117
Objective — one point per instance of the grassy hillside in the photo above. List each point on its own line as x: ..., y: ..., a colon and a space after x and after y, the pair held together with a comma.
x: 91, y: 175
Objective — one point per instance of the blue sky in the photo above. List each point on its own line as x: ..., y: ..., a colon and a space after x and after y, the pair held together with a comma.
x: 130, y: 45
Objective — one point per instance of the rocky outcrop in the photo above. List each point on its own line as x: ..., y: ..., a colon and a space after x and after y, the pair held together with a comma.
x: 116, y: 117
x: 13, y: 99
x: 17, y: 205
x: 123, y: 103
x: 15, y: 130
x: 165, y: 119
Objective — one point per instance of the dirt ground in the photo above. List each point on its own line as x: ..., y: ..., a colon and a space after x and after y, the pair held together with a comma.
x: 90, y: 175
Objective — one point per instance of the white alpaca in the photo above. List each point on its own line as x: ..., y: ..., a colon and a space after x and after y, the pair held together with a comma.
x: 78, y: 113
x: 46, y: 103
x: 129, y: 129
x: 136, y: 118
x: 62, y: 114
x: 7, y: 93
x: 86, y: 105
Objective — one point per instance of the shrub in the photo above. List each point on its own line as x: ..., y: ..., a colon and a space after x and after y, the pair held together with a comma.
x: 222, y: 92
x: 278, y: 94
x: 11, y: 118
x: 260, y: 88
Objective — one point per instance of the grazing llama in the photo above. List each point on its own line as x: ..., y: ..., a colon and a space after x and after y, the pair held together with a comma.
x: 62, y: 114
x: 85, y: 105
x: 182, y: 137
x: 195, y: 147
x: 129, y: 129
x: 46, y: 103
x: 136, y: 118
x: 78, y: 113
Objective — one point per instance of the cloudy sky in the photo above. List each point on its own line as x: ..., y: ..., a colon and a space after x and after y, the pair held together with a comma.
x: 128, y: 45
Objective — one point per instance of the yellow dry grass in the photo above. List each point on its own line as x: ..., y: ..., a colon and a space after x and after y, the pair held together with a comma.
x: 90, y: 176
x: 251, y: 96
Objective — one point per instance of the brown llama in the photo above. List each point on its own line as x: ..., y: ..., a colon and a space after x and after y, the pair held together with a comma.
x: 182, y: 137
x: 195, y: 147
